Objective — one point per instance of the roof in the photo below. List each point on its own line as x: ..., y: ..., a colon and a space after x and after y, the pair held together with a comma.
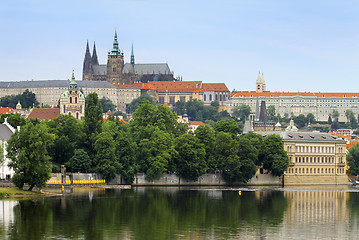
x: 288, y: 94
x: 99, y: 69
x: 5, y: 110
x: 304, y: 136
x: 127, y: 86
x: 5, y: 132
x: 177, y: 86
x: 150, y: 68
x: 215, y: 87
x: 44, y: 113
x: 55, y: 83
x: 196, y: 123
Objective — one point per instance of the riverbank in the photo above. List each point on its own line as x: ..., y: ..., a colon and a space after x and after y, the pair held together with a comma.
x: 18, y: 193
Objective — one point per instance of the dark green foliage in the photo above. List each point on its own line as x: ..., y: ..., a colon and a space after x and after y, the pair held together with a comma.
x: 155, y: 153
x: 300, y: 121
x: 206, y: 135
x: 273, y: 156
x: 353, y: 160
x: 228, y: 126
x: 81, y: 161
x: 126, y: 153
x: 104, y: 161
x: 271, y: 113
x: 27, y: 99
x: 28, y: 155
x: 131, y: 108
x: 68, y: 137
x: 190, y: 161
x: 107, y: 105
x: 242, y: 112
x: 14, y: 119
x: 92, y: 122
x: 159, y: 116
x: 197, y: 111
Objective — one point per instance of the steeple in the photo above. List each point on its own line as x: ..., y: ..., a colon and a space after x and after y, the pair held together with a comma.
x: 263, y: 113
x: 94, y: 55
x: 256, y: 116
x: 260, y: 84
x: 115, y: 50
x: 87, y: 68
x: 132, y: 56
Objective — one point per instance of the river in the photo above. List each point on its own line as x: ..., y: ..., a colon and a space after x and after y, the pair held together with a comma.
x: 186, y: 213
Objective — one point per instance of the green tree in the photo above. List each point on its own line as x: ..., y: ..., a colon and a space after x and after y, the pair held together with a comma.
x: 105, y: 156
x: 351, y: 118
x: 68, y: 137
x: 81, y: 161
x: 274, y: 157
x: 14, y: 119
x: 271, y: 113
x: 353, y: 160
x: 137, y: 102
x: 92, y: 122
x: 300, y: 120
x: 190, y: 161
x: 155, y: 153
x: 256, y: 141
x: 215, y: 104
x: 242, y: 112
x: 335, y: 115
x: 28, y: 155
x: 227, y: 125
x: 206, y: 136
x: 310, y: 118
x: 126, y: 153
x: 28, y: 99
x: 107, y: 105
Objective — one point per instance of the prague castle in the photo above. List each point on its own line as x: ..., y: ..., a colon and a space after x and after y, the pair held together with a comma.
x: 116, y: 71
x: 320, y: 104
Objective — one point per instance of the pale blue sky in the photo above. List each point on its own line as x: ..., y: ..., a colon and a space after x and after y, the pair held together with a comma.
x: 299, y: 45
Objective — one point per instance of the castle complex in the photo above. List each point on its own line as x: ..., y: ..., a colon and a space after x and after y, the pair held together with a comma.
x: 320, y: 104
x: 116, y: 71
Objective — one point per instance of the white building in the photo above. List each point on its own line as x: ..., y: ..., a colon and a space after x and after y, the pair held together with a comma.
x: 6, y: 130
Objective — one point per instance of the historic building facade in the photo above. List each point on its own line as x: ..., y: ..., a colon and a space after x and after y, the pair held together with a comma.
x: 72, y: 101
x: 321, y: 105
x: 49, y: 91
x: 116, y: 71
x: 315, y: 158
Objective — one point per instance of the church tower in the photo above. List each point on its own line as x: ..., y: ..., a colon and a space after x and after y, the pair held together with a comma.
x: 72, y: 101
x: 94, y: 59
x: 260, y: 83
x: 87, y: 67
x: 115, y: 63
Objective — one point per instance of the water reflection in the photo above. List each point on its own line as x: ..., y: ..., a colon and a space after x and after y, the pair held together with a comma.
x: 181, y: 213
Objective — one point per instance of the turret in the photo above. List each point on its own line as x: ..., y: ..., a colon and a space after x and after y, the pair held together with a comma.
x: 94, y: 59
x: 132, y: 56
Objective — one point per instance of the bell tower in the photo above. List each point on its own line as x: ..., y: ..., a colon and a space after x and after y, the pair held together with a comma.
x: 115, y: 63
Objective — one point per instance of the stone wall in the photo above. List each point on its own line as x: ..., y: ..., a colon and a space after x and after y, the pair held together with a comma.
x: 315, y: 180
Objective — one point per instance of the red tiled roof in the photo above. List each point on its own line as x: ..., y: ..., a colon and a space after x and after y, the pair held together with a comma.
x: 196, y: 123
x: 44, y: 113
x: 135, y: 85
x: 286, y: 94
x: 6, y: 110
x: 215, y: 87
x: 173, y: 86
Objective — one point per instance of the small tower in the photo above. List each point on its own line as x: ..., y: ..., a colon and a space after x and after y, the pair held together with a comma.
x: 260, y: 83
x: 115, y: 63
x: 87, y: 66
x: 72, y: 101
x: 18, y: 105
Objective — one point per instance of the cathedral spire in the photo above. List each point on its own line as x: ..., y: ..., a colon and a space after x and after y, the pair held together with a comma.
x: 87, y: 66
x: 115, y: 49
x: 94, y: 55
x: 132, y: 56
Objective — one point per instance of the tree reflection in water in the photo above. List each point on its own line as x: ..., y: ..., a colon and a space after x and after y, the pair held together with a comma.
x: 149, y: 213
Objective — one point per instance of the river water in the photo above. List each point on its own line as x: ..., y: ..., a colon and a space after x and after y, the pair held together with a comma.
x: 186, y: 213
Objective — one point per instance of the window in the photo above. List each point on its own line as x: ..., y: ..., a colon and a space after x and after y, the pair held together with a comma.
x: 210, y: 97
x: 183, y: 99
x: 204, y: 97
x: 172, y: 100
x: 70, y: 99
x: 161, y: 100
x: 75, y: 99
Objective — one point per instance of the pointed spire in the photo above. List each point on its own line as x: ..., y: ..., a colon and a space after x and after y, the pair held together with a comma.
x: 87, y: 54
x: 87, y: 68
x: 73, y: 83
x: 94, y: 55
x: 132, y: 56
x: 115, y: 49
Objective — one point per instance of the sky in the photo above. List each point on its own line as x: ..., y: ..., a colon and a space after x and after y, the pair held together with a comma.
x: 301, y: 45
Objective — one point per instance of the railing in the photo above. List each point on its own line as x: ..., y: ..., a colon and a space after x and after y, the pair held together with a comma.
x: 80, y: 182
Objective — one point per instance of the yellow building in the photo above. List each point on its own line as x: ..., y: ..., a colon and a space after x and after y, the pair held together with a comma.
x: 315, y: 158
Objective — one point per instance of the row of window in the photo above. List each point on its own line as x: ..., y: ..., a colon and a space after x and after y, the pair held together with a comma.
x: 217, y: 97
x: 314, y: 149
x: 314, y: 170
x: 317, y: 160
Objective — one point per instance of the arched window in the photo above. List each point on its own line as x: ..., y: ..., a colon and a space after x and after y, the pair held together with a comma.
x: 77, y: 115
x: 75, y: 99
x: 210, y: 97
x: 204, y: 97
x: 70, y: 99
x: 64, y: 108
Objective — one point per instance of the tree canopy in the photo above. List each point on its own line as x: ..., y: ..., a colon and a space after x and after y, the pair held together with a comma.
x: 131, y: 108
x: 27, y: 99
x: 353, y: 160
x: 27, y: 151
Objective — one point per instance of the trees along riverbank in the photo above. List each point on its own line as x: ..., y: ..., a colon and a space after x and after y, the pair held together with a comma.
x: 153, y: 142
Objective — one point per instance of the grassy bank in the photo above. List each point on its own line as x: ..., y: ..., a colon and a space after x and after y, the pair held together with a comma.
x: 15, y: 192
